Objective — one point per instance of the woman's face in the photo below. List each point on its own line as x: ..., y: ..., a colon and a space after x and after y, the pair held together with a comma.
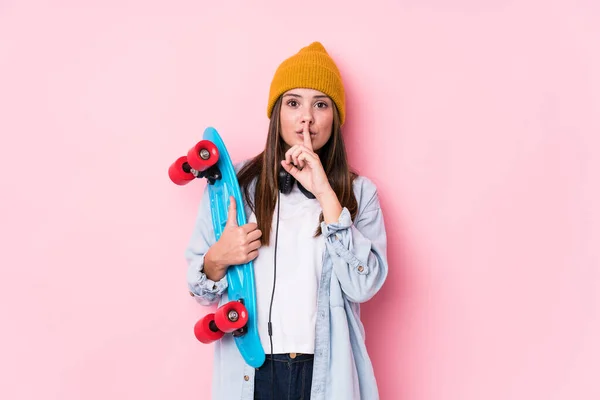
x: 306, y: 106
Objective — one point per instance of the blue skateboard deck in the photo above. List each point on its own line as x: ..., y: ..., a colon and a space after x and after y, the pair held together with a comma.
x: 240, y: 278
x: 223, y: 183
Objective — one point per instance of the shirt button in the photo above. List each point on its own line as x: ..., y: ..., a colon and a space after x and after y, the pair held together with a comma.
x: 246, y: 378
x: 292, y: 355
x: 361, y: 268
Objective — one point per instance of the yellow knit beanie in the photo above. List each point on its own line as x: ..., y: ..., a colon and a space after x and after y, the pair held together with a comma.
x: 310, y: 68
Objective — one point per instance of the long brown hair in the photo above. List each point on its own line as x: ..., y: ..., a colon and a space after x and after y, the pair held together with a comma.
x: 265, y: 168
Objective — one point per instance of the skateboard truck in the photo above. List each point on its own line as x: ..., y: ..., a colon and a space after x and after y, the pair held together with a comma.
x: 213, y: 173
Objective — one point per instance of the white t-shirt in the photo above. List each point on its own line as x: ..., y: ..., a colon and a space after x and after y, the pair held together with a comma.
x: 299, y: 264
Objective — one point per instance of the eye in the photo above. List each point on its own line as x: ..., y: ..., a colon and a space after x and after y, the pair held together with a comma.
x: 322, y: 104
x: 292, y: 103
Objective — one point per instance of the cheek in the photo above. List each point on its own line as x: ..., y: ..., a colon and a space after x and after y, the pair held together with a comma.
x: 287, y: 120
x: 326, y: 121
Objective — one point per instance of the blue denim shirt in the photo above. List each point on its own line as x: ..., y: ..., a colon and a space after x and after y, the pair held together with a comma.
x: 354, y: 269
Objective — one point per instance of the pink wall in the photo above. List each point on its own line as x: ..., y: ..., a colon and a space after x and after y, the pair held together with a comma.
x: 478, y: 121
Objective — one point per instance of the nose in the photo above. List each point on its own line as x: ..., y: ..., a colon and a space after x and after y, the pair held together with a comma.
x: 307, y: 117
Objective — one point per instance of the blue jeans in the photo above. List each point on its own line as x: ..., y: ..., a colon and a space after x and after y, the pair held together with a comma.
x: 292, y: 377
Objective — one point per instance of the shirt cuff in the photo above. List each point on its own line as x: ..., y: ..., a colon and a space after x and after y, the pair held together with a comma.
x: 207, y: 287
x: 344, y: 222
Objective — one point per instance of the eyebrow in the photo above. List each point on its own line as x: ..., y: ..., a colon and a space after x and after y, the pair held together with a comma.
x: 319, y: 96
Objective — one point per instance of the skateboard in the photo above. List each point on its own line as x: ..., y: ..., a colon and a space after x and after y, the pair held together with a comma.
x: 209, y: 159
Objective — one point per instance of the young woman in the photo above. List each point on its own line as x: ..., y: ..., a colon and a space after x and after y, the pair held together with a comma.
x: 317, y: 237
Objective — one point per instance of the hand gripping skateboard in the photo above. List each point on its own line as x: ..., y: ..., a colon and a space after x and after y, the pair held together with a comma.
x: 209, y: 159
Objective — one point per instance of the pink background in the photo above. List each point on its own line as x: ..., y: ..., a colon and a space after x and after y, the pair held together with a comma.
x: 478, y: 120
